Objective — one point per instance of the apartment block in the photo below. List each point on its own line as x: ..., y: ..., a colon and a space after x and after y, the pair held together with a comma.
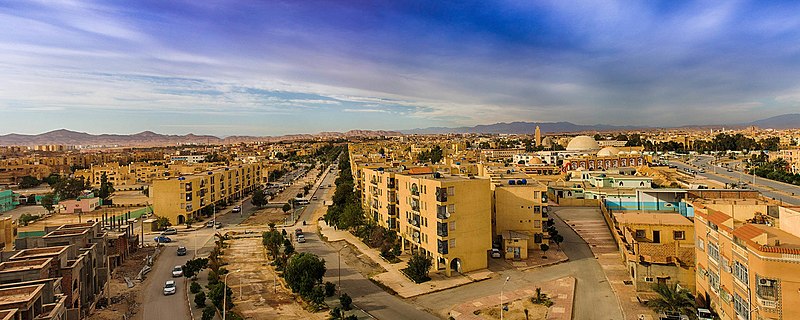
x: 791, y: 156
x: 380, y: 198
x: 183, y: 197
x: 447, y: 218
x: 519, y: 208
x: 8, y: 200
x: 748, y: 258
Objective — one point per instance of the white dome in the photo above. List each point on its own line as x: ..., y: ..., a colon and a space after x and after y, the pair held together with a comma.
x: 608, y: 152
x: 582, y: 143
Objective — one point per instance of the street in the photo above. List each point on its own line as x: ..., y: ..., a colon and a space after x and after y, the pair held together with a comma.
x: 778, y: 190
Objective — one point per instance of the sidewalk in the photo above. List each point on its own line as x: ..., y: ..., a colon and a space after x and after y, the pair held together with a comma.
x: 560, y: 291
x: 393, y: 277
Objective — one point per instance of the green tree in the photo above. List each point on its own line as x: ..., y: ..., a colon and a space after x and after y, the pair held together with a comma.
x: 670, y: 298
x: 195, y: 287
x: 194, y: 266
x: 215, y: 294
x: 346, y: 302
x: 303, y: 272
x: 48, y: 202
x: 69, y: 188
x: 27, y: 218
x: 418, y: 268
x: 544, y: 248
x: 558, y: 239
x: 330, y: 289
x: 106, y: 188
x: 336, y: 313
x: 272, y: 240
x: 200, y: 299
x: 259, y: 198
x: 162, y: 223
x: 29, y: 182
x: 209, y: 312
x: 286, y: 207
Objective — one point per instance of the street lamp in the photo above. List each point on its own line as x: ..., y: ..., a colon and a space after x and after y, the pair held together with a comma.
x: 225, y: 293
x: 501, y: 296
x: 339, y: 269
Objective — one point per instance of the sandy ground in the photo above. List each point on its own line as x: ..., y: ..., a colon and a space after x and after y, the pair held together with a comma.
x: 129, y: 198
x: 516, y: 311
x: 124, y: 300
x: 255, y: 292
x: 265, y: 216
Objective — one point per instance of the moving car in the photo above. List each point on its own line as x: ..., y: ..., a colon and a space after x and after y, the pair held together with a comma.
x: 237, y: 209
x: 170, y: 288
x: 669, y: 315
x: 218, y: 225
x: 162, y: 239
x: 210, y: 224
x: 170, y: 231
x: 298, y: 232
x: 704, y: 314
x: 301, y: 238
x: 495, y: 253
x: 730, y: 170
x: 181, y: 251
x: 177, y: 271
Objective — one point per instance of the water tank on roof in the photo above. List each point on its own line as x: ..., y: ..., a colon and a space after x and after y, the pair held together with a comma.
x: 380, y: 169
x: 437, y: 175
x: 181, y: 178
x: 524, y: 181
x: 458, y: 163
x: 511, y: 182
x: 519, y: 182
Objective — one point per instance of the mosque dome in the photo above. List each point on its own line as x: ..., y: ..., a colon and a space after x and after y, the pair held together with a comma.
x: 608, y: 152
x: 582, y: 143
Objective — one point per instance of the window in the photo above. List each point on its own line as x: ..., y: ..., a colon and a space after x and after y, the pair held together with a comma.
x: 679, y: 235
x: 741, y: 307
x: 740, y: 272
x: 451, y: 191
x: 640, y: 233
x: 713, y: 252
x: 701, y: 245
x: 452, y: 243
x: 713, y: 280
x: 451, y: 208
x: 537, y: 223
x: 452, y: 226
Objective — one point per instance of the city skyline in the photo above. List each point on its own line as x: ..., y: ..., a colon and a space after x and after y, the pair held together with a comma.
x: 280, y: 68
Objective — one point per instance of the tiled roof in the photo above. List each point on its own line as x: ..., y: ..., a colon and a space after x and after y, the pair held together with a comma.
x: 747, y: 231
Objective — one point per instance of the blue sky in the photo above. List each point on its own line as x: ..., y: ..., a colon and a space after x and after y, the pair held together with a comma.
x: 278, y: 67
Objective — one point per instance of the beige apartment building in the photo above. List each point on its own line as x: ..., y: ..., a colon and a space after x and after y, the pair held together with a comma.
x: 791, y: 156
x: 447, y: 218
x: 748, y: 258
x: 183, y: 197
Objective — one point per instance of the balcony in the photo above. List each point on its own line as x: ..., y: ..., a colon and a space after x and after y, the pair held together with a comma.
x: 415, y: 193
x: 441, y: 229
x: 442, y: 246
x: 441, y: 194
x: 373, y: 181
x: 392, y: 209
x: 391, y: 184
x: 441, y: 213
x: 414, y: 222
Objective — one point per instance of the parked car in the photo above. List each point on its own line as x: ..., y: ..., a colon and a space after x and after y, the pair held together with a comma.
x: 298, y: 232
x: 170, y: 288
x: 301, y: 239
x: 210, y: 224
x: 162, y: 239
x: 181, y: 251
x: 314, y: 198
x: 704, y: 314
x: 218, y: 225
x: 237, y: 209
x: 496, y: 253
x: 730, y: 170
x: 177, y: 271
x: 170, y: 231
x: 669, y: 315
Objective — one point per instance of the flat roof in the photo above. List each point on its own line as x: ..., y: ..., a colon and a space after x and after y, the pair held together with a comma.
x: 787, y: 240
x: 39, y: 252
x: 23, y: 265
x: 22, y: 294
x: 8, y: 314
x: 652, y: 218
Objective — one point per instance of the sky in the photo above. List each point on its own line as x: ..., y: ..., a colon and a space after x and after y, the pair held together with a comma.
x: 280, y: 67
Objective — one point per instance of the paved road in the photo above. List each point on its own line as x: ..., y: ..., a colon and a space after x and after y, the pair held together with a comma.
x: 594, y: 298
x: 770, y: 188
x: 365, y: 293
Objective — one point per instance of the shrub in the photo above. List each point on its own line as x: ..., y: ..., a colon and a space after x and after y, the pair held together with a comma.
x: 200, y: 299
x: 346, y: 302
x: 195, y: 287
x: 336, y: 313
x: 330, y: 289
x: 209, y: 312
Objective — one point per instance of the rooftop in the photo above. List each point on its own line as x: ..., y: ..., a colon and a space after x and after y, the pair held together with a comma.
x: 19, y: 294
x: 23, y: 265
x: 675, y: 219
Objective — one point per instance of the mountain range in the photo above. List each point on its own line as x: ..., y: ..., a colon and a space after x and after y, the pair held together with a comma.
x: 149, y: 138
x: 785, y: 121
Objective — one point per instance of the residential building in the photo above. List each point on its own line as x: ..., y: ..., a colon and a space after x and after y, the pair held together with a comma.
x: 8, y: 200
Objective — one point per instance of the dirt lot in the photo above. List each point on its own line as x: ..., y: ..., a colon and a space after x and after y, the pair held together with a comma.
x: 516, y: 310
x: 129, y: 198
x: 254, y: 291
x: 265, y: 216
x: 356, y: 259
x: 124, y: 300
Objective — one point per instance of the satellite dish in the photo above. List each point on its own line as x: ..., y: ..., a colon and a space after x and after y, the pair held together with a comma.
x: 416, y: 234
x: 447, y: 214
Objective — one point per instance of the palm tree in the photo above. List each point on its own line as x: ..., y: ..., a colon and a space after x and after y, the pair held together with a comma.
x: 672, y: 299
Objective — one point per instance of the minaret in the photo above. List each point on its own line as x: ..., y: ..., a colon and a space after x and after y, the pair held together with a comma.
x: 538, y: 136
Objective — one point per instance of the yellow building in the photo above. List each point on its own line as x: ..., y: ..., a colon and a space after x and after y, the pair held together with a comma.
x: 447, y: 218
x: 180, y: 198
x: 748, y: 254
x: 656, y: 248
x: 380, y: 197
x: 517, y: 215
x: 8, y: 232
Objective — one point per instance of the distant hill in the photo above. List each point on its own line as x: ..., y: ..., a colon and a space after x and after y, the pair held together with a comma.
x: 149, y: 138
x: 784, y: 121
x: 522, y: 128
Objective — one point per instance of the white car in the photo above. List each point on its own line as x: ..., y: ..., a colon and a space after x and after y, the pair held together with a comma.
x: 170, y: 288
x: 495, y: 253
x: 237, y: 209
x: 177, y: 271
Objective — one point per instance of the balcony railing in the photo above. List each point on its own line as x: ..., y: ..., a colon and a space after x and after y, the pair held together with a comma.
x: 441, y: 197
x: 441, y: 230
x: 442, y: 247
x: 415, y: 193
x: 441, y: 212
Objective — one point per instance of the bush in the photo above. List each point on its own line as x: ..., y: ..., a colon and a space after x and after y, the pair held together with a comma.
x: 200, y: 299
x: 209, y: 312
x: 418, y: 268
x: 330, y: 289
x: 213, y: 278
x: 317, y: 295
x: 350, y: 317
x: 195, y: 287
x: 346, y: 302
x: 336, y: 313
